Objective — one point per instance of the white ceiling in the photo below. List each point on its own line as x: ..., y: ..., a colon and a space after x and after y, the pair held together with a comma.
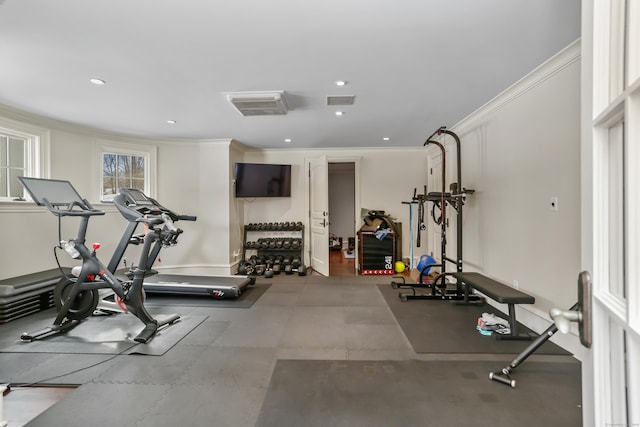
x: 413, y: 65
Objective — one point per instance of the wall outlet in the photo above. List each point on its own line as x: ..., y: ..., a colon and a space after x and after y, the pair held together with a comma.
x: 515, y: 284
x: 554, y: 204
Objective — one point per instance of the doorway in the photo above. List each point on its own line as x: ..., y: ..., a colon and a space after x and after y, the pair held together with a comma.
x: 342, y: 218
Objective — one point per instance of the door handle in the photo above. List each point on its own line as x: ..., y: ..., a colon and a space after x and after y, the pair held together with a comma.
x: 582, y: 313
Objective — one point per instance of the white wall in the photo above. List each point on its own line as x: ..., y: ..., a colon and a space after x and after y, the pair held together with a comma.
x: 193, y: 178
x: 387, y: 176
x: 518, y: 151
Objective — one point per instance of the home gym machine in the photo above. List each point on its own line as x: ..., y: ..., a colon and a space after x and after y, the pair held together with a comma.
x: 76, y: 296
x: 455, y: 197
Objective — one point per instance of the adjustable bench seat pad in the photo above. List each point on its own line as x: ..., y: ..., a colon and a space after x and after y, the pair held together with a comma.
x: 497, y: 291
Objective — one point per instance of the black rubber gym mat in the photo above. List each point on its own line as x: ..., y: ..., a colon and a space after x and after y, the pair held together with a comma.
x: 106, y: 335
x: 441, y: 326
x: 420, y: 393
x: 245, y: 300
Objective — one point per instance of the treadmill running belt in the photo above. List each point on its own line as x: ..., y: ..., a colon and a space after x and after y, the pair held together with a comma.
x: 219, y: 287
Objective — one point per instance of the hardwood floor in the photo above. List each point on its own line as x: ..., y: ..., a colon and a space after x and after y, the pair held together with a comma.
x: 341, y: 266
x: 22, y: 404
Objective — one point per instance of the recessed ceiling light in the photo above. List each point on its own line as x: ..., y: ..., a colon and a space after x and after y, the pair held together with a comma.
x: 171, y: 122
x: 96, y: 81
x: 287, y: 140
x: 339, y: 113
x: 386, y: 138
x: 341, y: 83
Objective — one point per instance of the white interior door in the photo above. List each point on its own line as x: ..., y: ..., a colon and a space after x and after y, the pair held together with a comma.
x: 434, y: 183
x: 319, y: 214
x: 611, y: 210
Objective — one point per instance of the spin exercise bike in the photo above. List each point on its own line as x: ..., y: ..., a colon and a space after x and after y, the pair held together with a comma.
x: 77, y: 295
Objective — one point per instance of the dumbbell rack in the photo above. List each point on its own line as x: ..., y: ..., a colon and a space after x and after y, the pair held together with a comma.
x: 263, y: 242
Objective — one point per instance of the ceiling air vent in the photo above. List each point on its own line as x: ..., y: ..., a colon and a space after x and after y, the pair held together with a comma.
x: 341, y: 100
x: 259, y: 103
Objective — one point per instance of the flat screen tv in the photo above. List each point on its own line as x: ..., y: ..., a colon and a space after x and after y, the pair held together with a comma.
x: 262, y: 180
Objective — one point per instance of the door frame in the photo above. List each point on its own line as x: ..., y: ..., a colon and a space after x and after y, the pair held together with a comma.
x: 354, y: 214
x: 356, y: 195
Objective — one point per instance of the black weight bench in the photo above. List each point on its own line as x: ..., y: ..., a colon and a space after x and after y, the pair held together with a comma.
x: 499, y: 292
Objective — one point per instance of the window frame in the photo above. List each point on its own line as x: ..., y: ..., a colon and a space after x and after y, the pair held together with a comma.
x: 37, y: 151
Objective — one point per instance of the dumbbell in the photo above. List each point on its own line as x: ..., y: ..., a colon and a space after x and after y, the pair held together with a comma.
x: 296, y: 262
x: 277, y: 268
x: 288, y: 269
x: 246, y: 268
x: 260, y: 269
x: 302, y: 270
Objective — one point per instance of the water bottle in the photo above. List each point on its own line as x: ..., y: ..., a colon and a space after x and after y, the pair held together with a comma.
x: 70, y: 248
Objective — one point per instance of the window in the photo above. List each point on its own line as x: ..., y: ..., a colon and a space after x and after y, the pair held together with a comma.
x: 12, y: 165
x: 125, y: 165
x: 121, y: 170
x: 23, y: 152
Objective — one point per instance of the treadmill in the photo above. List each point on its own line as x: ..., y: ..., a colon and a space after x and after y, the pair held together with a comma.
x: 218, y: 287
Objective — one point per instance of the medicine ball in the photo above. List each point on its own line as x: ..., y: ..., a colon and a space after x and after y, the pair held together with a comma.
x: 426, y: 260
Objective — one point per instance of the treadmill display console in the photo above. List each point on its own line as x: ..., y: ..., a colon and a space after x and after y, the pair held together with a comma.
x: 136, y: 197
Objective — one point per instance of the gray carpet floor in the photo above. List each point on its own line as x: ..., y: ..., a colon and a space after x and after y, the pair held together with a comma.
x: 239, y: 368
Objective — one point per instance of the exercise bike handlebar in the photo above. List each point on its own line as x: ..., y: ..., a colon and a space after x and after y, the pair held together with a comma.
x: 137, y: 208
x: 85, y: 209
